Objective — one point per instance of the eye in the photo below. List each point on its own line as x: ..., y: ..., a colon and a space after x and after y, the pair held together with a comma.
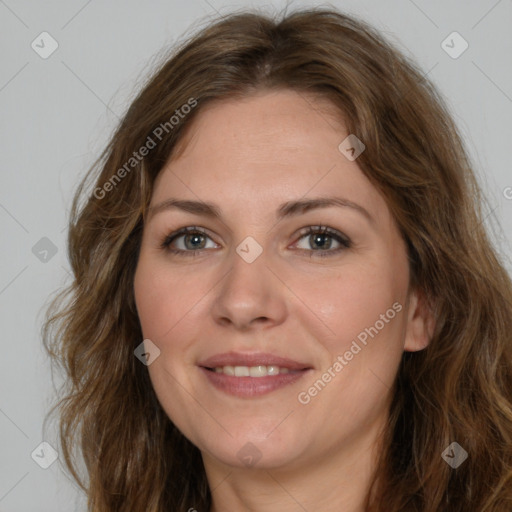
x: 321, y: 239
x: 190, y: 241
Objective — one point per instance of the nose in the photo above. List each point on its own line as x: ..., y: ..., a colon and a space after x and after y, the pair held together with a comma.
x: 250, y: 295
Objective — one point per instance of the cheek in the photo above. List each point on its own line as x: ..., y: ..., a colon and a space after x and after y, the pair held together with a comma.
x: 165, y: 304
x: 364, y: 311
x: 352, y: 300
x: 164, y: 297
x: 375, y: 320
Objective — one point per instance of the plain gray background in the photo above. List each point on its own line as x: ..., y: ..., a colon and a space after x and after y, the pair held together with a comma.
x: 56, y: 116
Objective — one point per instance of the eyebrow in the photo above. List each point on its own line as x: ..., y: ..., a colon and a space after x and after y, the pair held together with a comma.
x: 288, y: 209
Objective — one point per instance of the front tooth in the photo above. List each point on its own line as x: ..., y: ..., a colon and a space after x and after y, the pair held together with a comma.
x: 251, y: 371
x: 228, y: 370
x: 258, y: 371
x: 273, y: 370
x: 241, y: 371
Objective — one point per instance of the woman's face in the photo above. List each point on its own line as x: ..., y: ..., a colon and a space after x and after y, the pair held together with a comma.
x: 311, y: 324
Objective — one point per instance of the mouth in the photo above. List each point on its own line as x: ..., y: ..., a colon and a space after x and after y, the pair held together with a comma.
x: 252, y: 371
x: 251, y: 375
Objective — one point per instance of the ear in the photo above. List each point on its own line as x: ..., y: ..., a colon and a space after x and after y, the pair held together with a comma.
x: 420, y: 323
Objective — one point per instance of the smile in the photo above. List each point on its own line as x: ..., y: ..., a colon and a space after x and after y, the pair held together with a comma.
x: 251, y: 371
x: 250, y: 375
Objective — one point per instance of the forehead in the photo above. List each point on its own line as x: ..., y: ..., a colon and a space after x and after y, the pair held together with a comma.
x: 266, y: 148
x: 270, y: 117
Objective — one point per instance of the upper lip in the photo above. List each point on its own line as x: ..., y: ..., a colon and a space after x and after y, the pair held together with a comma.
x: 252, y: 359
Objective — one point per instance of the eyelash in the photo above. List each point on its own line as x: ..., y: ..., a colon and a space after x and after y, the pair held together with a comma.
x: 323, y: 230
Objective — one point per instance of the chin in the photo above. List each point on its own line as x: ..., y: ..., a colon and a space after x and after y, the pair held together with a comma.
x: 253, y: 448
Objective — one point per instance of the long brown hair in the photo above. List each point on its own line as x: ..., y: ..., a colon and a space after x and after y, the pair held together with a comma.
x: 457, y: 389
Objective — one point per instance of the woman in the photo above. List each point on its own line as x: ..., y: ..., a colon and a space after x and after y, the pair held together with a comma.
x: 284, y: 296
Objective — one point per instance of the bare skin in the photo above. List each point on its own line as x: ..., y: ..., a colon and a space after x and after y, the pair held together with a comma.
x: 315, y: 450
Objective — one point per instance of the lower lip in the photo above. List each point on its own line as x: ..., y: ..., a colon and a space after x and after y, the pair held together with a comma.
x: 247, y: 387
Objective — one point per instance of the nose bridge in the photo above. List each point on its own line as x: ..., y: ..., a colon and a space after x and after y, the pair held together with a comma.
x: 248, y: 277
x: 249, y: 291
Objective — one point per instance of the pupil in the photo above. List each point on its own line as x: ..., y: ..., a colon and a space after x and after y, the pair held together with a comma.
x: 319, y: 238
x: 195, y: 238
